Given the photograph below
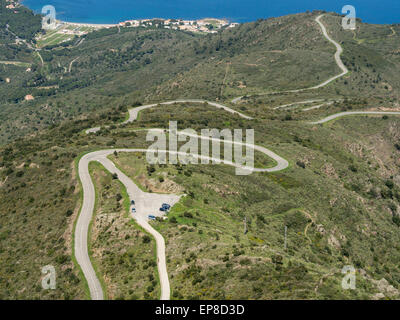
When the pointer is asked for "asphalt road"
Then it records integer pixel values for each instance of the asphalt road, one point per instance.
(82, 229)
(339, 51)
(350, 113)
(145, 204)
(133, 113)
(149, 203)
(338, 60)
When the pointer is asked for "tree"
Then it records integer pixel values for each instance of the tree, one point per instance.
(146, 239)
(396, 220)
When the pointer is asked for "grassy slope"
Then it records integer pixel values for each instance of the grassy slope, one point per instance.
(346, 186)
(120, 69)
(39, 204)
(117, 242)
(341, 197)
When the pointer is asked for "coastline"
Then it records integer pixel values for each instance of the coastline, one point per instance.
(92, 25)
(229, 15)
(120, 23)
(205, 25)
(110, 25)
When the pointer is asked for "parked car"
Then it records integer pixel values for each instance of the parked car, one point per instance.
(133, 210)
(133, 202)
(151, 217)
(166, 206)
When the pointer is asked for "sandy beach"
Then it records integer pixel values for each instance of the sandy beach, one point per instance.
(92, 25)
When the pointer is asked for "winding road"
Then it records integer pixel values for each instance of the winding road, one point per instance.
(71, 63)
(296, 103)
(149, 203)
(338, 60)
(145, 203)
(133, 113)
(352, 113)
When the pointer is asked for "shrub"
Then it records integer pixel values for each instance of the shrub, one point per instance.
(188, 215)
(245, 262)
(277, 259)
(389, 184)
(353, 168)
(69, 213)
(392, 207)
(396, 220)
(197, 279)
(373, 194)
(188, 173)
(62, 259)
(151, 169)
(301, 164)
(150, 288)
(19, 174)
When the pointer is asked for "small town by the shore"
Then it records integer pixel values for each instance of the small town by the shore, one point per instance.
(63, 31)
(67, 31)
(207, 25)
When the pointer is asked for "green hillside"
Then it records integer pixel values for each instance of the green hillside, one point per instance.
(339, 198)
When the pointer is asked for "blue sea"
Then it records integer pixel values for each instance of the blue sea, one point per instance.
(114, 11)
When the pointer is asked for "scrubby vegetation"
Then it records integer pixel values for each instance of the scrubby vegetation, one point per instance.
(145, 65)
(335, 205)
(21, 22)
(124, 254)
(340, 198)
